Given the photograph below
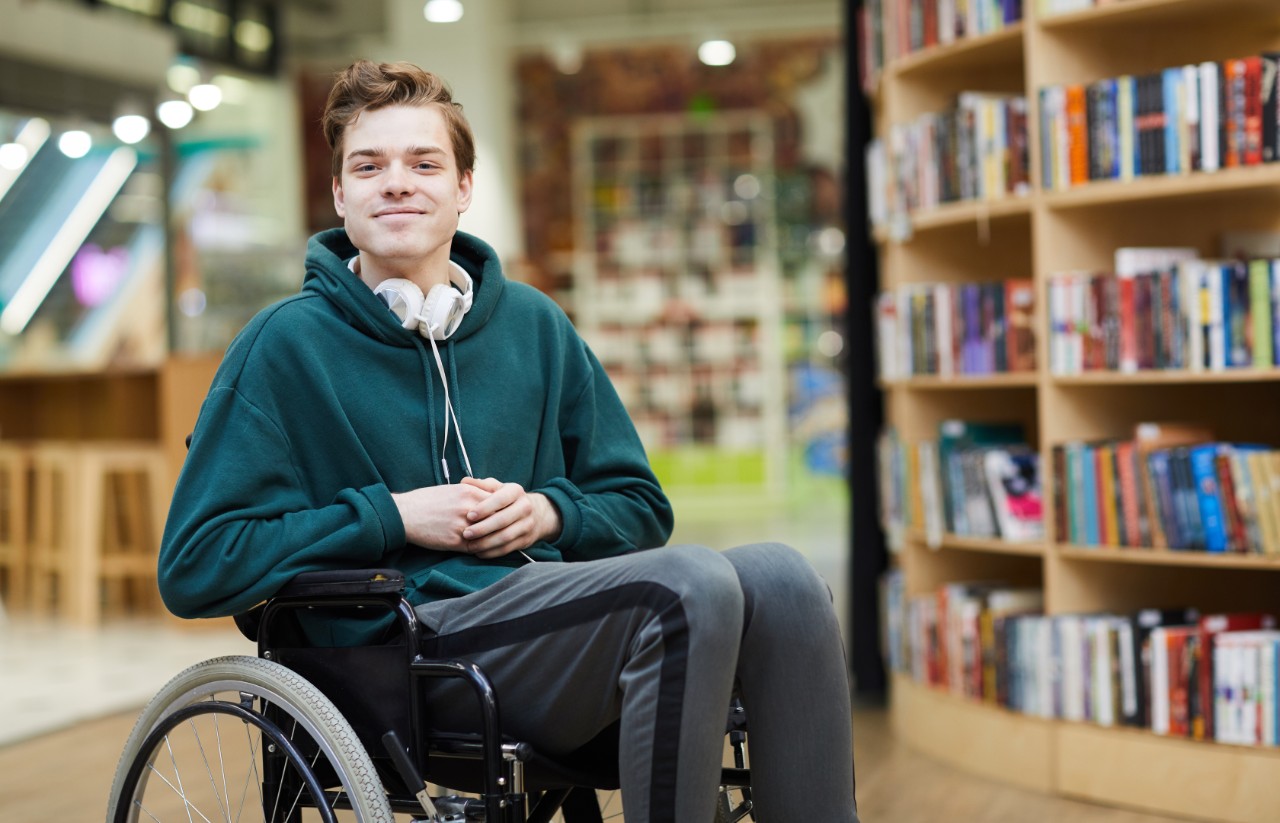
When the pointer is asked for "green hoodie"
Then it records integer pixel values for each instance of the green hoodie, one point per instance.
(324, 406)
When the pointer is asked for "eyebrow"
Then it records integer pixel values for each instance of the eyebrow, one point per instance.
(376, 151)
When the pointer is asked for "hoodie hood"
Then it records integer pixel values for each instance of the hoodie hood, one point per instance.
(328, 275)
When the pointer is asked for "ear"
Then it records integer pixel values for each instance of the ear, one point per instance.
(339, 201)
(464, 191)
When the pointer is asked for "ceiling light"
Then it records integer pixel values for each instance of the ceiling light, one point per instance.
(567, 56)
(131, 128)
(175, 113)
(205, 96)
(717, 52)
(75, 143)
(442, 11)
(182, 76)
(13, 156)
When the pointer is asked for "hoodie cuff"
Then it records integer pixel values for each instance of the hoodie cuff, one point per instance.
(564, 496)
(379, 496)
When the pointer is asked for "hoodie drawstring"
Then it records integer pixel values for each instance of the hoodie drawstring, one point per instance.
(449, 412)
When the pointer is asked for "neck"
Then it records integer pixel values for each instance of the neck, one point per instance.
(422, 273)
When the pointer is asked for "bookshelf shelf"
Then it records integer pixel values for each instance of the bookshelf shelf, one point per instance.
(979, 544)
(1189, 187)
(1166, 557)
(1136, 12)
(1172, 377)
(988, 381)
(1044, 235)
(999, 47)
(976, 212)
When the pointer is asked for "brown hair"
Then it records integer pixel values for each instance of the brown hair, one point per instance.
(365, 85)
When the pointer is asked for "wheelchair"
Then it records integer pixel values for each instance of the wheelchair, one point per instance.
(309, 731)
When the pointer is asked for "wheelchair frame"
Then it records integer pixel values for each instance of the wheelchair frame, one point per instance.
(504, 788)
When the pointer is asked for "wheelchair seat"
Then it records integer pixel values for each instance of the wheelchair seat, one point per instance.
(368, 749)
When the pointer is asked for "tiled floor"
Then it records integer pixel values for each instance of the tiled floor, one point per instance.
(52, 676)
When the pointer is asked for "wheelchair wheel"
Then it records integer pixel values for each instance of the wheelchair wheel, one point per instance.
(244, 739)
(728, 808)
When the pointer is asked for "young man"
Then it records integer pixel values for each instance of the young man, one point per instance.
(332, 437)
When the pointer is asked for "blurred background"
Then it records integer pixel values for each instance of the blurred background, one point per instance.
(672, 172)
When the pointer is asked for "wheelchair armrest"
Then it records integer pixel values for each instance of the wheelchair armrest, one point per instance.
(344, 583)
(341, 586)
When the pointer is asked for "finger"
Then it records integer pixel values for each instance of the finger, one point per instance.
(487, 483)
(505, 496)
(519, 531)
(485, 531)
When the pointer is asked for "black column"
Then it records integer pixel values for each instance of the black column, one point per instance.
(867, 543)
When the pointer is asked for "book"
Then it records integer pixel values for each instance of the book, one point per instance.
(1171, 651)
(1013, 480)
(1204, 471)
(1152, 436)
(1210, 627)
(955, 436)
(1269, 91)
(1020, 302)
(1210, 152)
(1136, 659)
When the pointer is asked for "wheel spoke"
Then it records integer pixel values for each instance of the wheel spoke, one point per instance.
(222, 766)
(252, 775)
(179, 789)
(208, 768)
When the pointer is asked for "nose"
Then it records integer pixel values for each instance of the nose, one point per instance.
(397, 181)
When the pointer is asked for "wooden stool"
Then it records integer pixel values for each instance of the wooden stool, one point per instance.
(97, 516)
(15, 481)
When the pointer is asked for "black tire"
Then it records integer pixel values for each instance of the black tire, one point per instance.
(196, 749)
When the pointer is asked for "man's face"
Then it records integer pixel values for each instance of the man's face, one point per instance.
(400, 192)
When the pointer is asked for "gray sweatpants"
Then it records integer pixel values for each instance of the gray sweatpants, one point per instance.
(657, 639)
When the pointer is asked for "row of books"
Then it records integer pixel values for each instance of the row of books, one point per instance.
(1196, 117)
(975, 150)
(949, 329)
(1171, 486)
(976, 480)
(1170, 670)
(1184, 312)
(889, 29)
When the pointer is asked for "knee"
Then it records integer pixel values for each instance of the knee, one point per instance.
(784, 596)
(707, 586)
(780, 572)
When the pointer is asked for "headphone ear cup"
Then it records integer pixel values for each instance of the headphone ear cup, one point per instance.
(403, 298)
(442, 312)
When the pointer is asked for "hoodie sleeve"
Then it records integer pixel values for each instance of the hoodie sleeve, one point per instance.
(610, 502)
(239, 526)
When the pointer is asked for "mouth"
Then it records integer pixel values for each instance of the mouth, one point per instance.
(398, 212)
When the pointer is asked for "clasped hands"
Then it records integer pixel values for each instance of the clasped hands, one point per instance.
(480, 516)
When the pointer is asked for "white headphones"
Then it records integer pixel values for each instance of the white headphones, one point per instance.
(435, 316)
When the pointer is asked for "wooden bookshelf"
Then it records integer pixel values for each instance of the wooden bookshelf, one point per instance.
(1170, 557)
(956, 542)
(988, 741)
(1041, 235)
(984, 381)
